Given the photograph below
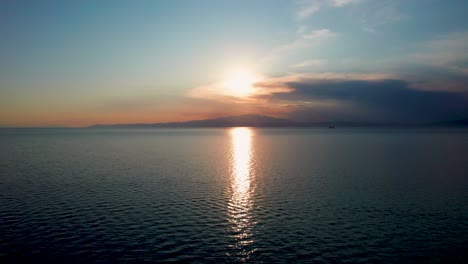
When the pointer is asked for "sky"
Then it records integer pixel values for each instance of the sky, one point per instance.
(79, 63)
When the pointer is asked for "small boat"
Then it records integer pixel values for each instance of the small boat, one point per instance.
(331, 126)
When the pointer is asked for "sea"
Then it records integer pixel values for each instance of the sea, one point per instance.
(234, 195)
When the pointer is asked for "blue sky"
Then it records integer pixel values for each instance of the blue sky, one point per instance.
(84, 62)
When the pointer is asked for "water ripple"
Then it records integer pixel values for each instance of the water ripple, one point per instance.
(241, 195)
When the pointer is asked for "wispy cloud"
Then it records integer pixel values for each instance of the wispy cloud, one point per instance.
(339, 3)
(309, 64)
(374, 14)
(448, 50)
(309, 38)
(385, 13)
(305, 39)
(306, 8)
(439, 64)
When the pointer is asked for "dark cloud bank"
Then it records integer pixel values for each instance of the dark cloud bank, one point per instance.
(384, 101)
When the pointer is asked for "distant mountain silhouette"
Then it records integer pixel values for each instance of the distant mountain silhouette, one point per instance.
(456, 123)
(266, 121)
(230, 121)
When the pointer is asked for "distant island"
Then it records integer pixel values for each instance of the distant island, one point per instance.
(252, 120)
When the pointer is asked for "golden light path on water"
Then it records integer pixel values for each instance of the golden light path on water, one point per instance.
(240, 203)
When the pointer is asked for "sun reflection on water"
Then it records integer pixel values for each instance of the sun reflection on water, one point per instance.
(240, 203)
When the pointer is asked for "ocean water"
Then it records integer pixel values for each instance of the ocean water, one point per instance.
(234, 195)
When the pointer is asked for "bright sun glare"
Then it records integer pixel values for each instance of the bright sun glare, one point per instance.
(240, 83)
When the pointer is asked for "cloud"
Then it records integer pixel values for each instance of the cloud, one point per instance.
(339, 3)
(447, 51)
(219, 91)
(365, 98)
(304, 40)
(308, 64)
(326, 97)
(441, 63)
(309, 38)
(382, 14)
(438, 64)
(306, 8)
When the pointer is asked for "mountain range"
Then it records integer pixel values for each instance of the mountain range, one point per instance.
(230, 121)
(266, 121)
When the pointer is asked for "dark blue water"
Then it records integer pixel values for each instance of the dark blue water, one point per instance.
(234, 195)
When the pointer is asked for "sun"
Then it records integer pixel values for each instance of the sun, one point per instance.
(241, 83)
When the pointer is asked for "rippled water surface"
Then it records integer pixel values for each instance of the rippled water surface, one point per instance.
(234, 195)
